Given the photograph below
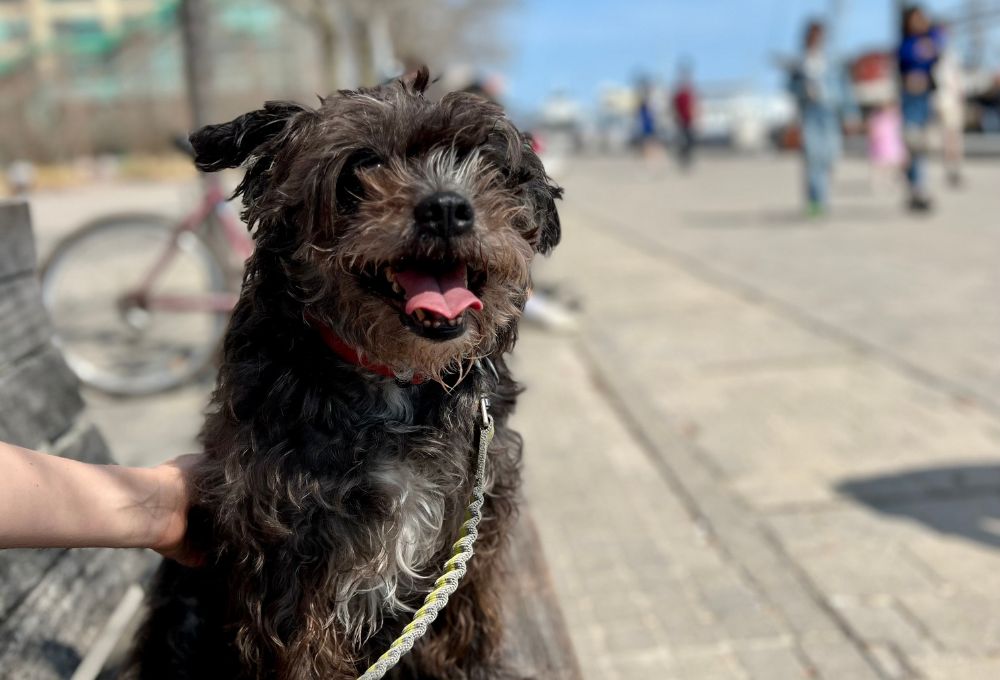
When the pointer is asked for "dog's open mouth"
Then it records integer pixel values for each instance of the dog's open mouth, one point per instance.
(432, 298)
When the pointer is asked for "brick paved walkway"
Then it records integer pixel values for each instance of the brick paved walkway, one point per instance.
(774, 452)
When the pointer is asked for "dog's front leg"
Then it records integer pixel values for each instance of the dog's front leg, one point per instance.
(464, 643)
(286, 621)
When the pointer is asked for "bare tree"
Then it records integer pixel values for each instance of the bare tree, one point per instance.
(442, 32)
(363, 41)
(194, 17)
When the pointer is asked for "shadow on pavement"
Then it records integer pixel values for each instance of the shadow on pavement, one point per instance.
(958, 500)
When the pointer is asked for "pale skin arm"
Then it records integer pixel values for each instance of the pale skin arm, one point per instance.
(52, 502)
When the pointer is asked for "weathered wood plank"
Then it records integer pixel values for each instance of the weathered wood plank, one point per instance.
(17, 245)
(48, 633)
(538, 643)
(83, 442)
(53, 603)
(20, 571)
(38, 400)
(24, 325)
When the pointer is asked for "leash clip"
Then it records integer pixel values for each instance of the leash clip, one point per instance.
(485, 366)
(484, 412)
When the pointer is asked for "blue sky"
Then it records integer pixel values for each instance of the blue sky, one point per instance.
(577, 44)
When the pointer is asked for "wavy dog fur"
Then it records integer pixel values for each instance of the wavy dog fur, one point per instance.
(329, 496)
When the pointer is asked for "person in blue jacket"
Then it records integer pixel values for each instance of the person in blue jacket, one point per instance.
(920, 48)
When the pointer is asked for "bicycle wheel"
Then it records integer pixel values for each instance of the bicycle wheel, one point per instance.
(113, 342)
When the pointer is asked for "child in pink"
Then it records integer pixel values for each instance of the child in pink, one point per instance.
(886, 149)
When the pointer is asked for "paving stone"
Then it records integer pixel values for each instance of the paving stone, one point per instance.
(955, 667)
(833, 659)
(889, 661)
(884, 622)
(772, 663)
(737, 608)
(840, 562)
(637, 634)
(714, 665)
(643, 666)
(688, 626)
(962, 622)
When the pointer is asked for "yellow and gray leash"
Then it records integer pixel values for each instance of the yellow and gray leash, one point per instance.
(454, 568)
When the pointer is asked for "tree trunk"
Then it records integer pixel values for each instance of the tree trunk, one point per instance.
(329, 58)
(363, 52)
(194, 25)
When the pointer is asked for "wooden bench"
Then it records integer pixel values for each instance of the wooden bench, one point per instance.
(54, 604)
(62, 611)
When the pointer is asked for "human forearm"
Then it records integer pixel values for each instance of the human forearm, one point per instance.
(47, 501)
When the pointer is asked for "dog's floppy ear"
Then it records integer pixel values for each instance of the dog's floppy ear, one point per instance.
(227, 145)
(543, 193)
(548, 217)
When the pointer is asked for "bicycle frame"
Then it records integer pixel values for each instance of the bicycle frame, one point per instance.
(214, 199)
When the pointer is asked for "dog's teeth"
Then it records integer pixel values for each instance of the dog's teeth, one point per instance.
(396, 288)
(437, 324)
(419, 314)
(452, 322)
(427, 324)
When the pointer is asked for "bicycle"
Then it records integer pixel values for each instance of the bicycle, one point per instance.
(139, 302)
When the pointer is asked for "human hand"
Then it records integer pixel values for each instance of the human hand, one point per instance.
(170, 510)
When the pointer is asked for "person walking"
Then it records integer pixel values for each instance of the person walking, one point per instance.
(919, 50)
(812, 86)
(886, 150)
(950, 108)
(684, 104)
(648, 136)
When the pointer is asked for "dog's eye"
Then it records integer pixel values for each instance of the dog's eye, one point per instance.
(350, 189)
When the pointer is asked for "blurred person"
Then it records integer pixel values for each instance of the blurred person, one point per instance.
(649, 143)
(812, 85)
(684, 104)
(886, 150)
(919, 50)
(950, 107)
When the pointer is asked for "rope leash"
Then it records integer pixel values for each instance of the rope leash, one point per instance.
(454, 568)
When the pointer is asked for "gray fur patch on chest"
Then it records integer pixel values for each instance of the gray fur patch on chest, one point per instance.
(410, 539)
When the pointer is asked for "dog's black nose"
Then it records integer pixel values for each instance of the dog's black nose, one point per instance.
(444, 214)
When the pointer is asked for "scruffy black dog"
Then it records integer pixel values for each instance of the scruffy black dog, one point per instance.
(393, 242)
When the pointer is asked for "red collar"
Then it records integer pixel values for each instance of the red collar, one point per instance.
(350, 355)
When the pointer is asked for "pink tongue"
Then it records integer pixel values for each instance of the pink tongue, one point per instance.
(445, 294)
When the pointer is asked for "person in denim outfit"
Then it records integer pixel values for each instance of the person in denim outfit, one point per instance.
(814, 88)
(918, 53)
